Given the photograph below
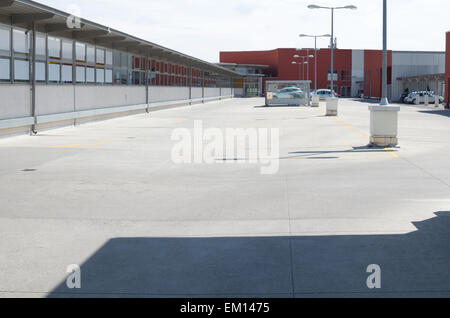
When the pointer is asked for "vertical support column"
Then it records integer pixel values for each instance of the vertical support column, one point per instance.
(203, 85)
(33, 79)
(74, 77)
(11, 45)
(190, 84)
(147, 62)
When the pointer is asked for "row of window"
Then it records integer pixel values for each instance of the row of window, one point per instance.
(61, 60)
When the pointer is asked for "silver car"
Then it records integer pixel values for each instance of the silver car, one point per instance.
(324, 94)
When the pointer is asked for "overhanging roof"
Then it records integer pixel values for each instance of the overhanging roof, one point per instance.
(439, 76)
(22, 13)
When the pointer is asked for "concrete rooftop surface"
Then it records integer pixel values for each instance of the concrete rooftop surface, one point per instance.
(107, 196)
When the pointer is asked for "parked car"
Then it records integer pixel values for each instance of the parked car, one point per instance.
(289, 93)
(324, 94)
(403, 96)
(420, 96)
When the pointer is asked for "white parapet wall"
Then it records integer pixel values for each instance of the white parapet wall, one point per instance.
(61, 105)
(15, 101)
(167, 93)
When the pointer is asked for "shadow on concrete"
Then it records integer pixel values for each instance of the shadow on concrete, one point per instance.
(413, 264)
(436, 112)
(361, 149)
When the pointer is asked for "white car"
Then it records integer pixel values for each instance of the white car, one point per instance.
(420, 96)
(289, 93)
(324, 94)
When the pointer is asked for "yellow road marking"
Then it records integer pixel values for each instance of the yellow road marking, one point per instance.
(393, 154)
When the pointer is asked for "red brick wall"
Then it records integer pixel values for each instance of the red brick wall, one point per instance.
(281, 67)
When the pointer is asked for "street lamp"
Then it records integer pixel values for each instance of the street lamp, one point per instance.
(299, 65)
(307, 57)
(351, 7)
(384, 100)
(315, 53)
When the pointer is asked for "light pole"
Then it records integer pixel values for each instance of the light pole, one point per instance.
(315, 54)
(384, 100)
(351, 7)
(307, 57)
(299, 72)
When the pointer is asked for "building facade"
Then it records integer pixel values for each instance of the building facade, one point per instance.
(56, 69)
(251, 82)
(356, 72)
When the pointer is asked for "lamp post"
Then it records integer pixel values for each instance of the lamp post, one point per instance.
(315, 54)
(307, 57)
(384, 100)
(299, 72)
(351, 7)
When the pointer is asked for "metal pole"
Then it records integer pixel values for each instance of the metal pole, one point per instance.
(384, 100)
(307, 66)
(33, 79)
(332, 50)
(315, 63)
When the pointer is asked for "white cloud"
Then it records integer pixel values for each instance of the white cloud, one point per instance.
(203, 28)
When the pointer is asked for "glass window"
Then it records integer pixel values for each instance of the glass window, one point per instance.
(54, 47)
(67, 50)
(53, 72)
(108, 76)
(90, 74)
(21, 42)
(91, 54)
(100, 75)
(40, 45)
(4, 69)
(40, 71)
(80, 49)
(66, 73)
(5, 37)
(100, 56)
(81, 74)
(21, 70)
(109, 58)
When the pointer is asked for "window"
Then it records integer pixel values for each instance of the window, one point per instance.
(54, 47)
(40, 45)
(100, 56)
(67, 50)
(21, 70)
(66, 73)
(21, 42)
(80, 50)
(4, 69)
(54, 72)
(90, 54)
(100, 75)
(81, 74)
(108, 76)
(5, 41)
(90, 75)
(109, 58)
(40, 71)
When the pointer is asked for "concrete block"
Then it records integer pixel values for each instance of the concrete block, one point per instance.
(315, 101)
(332, 106)
(384, 125)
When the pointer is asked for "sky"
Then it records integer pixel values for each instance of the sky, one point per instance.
(203, 28)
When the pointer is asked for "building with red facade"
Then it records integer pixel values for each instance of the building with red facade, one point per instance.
(356, 71)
